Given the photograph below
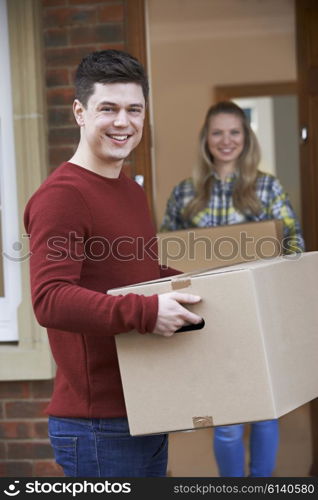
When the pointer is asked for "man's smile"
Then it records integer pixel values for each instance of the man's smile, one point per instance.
(118, 137)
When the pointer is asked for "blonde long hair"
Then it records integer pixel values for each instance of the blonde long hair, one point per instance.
(244, 194)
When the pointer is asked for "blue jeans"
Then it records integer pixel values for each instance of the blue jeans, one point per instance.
(230, 454)
(104, 448)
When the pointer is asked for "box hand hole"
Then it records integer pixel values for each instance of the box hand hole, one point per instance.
(192, 326)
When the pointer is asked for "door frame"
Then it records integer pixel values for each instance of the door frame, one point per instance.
(285, 88)
(135, 41)
(227, 92)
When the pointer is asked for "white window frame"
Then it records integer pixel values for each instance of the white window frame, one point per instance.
(11, 300)
(30, 357)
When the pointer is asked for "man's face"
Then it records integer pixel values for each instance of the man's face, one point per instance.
(112, 122)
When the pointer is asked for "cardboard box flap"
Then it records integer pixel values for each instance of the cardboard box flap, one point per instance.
(174, 278)
(177, 279)
(260, 240)
(220, 246)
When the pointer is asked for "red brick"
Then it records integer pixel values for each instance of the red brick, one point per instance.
(58, 155)
(60, 116)
(40, 429)
(2, 450)
(59, 96)
(57, 77)
(47, 468)
(113, 46)
(65, 16)
(81, 2)
(73, 73)
(42, 389)
(16, 469)
(14, 390)
(25, 409)
(9, 429)
(23, 429)
(53, 3)
(66, 57)
(63, 136)
(55, 38)
(108, 13)
(29, 449)
(101, 33)
(1, 410)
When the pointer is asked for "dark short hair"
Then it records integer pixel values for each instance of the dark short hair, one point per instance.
(108, 66)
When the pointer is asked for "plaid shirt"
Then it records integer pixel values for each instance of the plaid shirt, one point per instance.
(220, 210)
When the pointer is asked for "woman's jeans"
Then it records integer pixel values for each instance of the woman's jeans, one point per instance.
(104, 448)
(230, 454)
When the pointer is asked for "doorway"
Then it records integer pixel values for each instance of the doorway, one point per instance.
(273, 109)
(194, 46)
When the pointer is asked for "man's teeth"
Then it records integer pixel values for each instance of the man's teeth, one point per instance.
(119, 137)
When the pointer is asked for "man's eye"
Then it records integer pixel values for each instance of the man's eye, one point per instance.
(135, 110)
(107, 108)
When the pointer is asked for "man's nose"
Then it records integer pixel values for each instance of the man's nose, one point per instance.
(121, 119)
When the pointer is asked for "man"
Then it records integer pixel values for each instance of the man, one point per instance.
(85, 223)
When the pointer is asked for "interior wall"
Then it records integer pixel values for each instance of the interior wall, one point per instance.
(195, 45)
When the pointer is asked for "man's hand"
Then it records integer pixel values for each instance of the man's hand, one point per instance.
(171, 314)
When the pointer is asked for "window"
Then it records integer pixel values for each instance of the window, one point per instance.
(10, 269)
(28, 357)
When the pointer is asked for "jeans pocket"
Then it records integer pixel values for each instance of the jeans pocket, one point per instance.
(163, 446)
(65, 452)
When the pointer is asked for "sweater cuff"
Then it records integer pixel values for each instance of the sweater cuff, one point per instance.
(151, 313)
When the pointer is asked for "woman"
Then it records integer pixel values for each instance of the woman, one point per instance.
(227, 188)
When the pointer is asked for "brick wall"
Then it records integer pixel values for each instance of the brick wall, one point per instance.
(24, 447)
(71, 29)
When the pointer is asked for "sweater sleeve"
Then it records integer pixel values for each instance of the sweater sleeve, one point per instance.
(58, 222)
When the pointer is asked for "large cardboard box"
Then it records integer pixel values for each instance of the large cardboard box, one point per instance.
(212, 247)
(255, 359)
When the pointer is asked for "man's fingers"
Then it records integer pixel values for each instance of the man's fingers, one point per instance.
(186, 298)
(172, 313)
(192, 318)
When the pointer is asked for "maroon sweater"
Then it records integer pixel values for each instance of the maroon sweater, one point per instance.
(89, 234)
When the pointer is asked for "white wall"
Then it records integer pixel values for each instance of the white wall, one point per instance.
(263, 125)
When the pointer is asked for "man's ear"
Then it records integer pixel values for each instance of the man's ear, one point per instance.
(78, 110)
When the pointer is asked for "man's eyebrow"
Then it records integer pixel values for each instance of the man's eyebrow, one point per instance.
(132, 105)
(106, 103)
